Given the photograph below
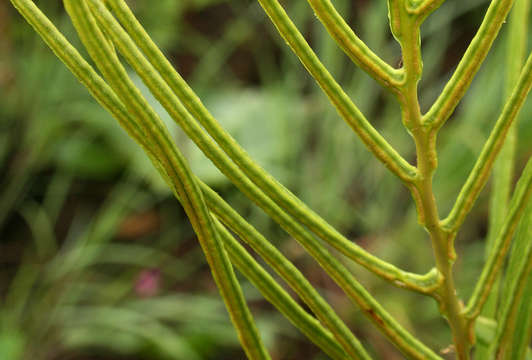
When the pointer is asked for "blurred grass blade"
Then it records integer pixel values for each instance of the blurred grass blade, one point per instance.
(517, 47)
(485, 331)
(81, 257)
(12, 345)
(18, 295)
(42, 230)
(493, 265)
(520, 328)
(125, 321)
(503, 169)
(513, 332)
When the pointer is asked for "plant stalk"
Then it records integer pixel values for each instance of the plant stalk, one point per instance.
(406, 28)
(442, 243)
(443, 248)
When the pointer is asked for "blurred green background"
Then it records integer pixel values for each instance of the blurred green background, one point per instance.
(97, 260)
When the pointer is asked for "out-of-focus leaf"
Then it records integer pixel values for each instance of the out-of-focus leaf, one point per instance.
(485, 330)
(11, 345)
(523, 327)
(163, 21)
(80, 258)
(85, 157)
(165, 340)
(98, 337)
(266, 123)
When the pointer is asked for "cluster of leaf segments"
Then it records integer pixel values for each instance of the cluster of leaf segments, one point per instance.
(108, 26)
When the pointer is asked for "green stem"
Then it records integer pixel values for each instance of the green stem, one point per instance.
(474, 56)
(423, 8)
(345, 107)
(184, 184)
(444, 254)
(276, 295)
(398, 335)
(502, 244)
(355, 48)
(262, 181)
(283, 267)
(405, 26)
(480, 173)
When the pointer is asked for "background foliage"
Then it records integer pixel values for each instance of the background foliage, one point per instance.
(98, 260)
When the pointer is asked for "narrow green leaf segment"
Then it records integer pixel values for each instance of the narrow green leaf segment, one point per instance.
(184, 184)
(480, 173)
(212, 218)
(284, 268)
(281, 300)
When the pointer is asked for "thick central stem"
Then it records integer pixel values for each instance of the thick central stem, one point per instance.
(443, 247)
(425, 139)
